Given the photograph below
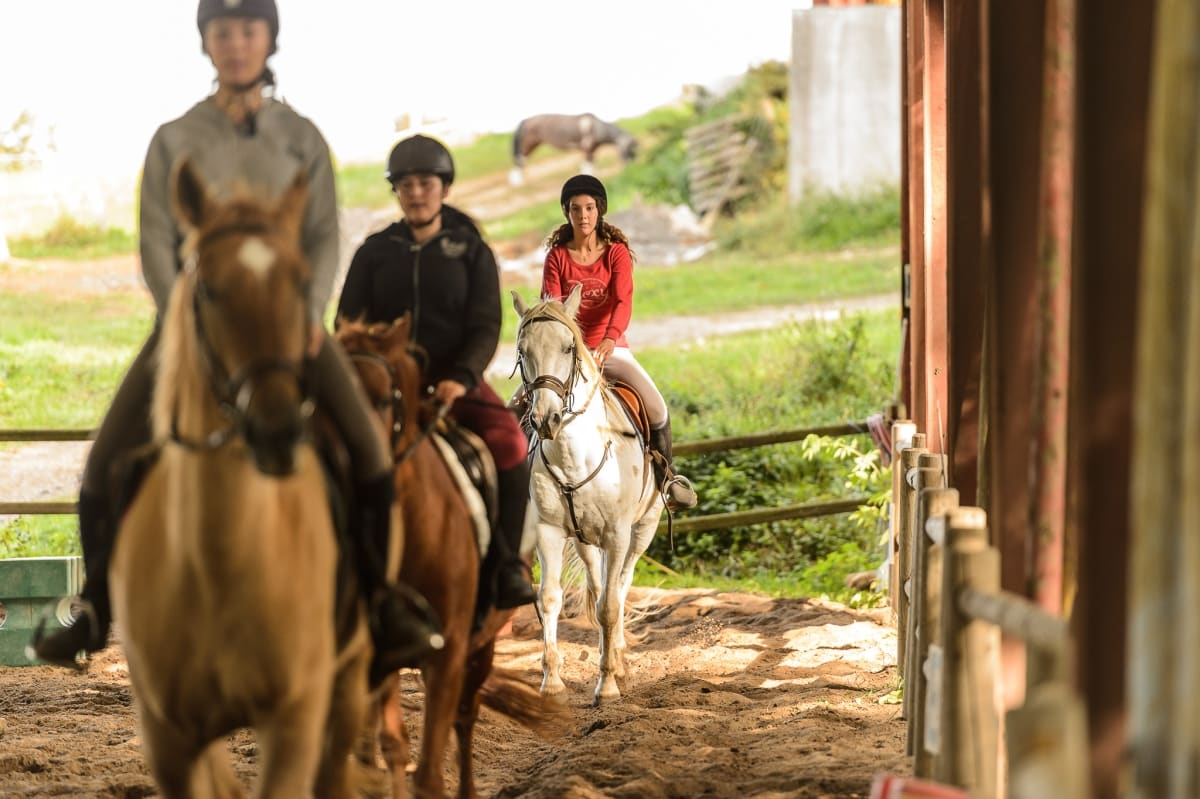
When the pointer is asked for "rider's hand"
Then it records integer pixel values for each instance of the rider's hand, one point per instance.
(447, 391)
(603, 350)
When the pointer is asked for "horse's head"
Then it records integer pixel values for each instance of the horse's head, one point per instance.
(244, 299)
(552, 358)
(384, 358)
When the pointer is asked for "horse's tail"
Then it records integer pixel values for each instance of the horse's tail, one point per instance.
(506, 693)
(517, 143)
(579, 591)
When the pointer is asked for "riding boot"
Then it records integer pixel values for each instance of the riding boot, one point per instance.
(404, 626)
(88, 631)
(676, 488)
(504, 564)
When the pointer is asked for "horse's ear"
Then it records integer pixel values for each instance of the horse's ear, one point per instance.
(189, 198)
(402, 326)
(571, 303)
(519, 304)
(292, 203)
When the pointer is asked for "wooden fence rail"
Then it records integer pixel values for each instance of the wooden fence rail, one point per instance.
(688, 525)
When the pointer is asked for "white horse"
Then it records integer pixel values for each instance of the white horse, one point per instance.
(591, 481)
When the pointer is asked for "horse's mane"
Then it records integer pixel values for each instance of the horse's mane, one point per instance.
(556, 309)
(178, 374)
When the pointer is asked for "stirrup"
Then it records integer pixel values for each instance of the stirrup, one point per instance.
(678, 493)
(84, 635)
(402, 637)
(521, 592)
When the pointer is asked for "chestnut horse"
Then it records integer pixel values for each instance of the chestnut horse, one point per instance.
(583, 132)
(440, 558)
(223, 575)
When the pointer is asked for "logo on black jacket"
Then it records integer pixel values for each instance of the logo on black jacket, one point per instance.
(453, 249)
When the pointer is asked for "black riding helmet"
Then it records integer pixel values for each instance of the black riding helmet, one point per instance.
(584, 184)
(250, 9)
(420, 155)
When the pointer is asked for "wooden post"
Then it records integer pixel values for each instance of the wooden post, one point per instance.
(933, 503)
(970, 719)
(928, 473)
(904, 516)
(902, 438)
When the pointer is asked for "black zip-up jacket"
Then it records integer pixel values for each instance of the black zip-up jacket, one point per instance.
(450, 283)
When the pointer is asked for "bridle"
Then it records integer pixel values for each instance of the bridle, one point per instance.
(233, 392)
(563, 389)
(395, 398)
(395, 402)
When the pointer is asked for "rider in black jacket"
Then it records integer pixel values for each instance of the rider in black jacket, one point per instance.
(435, 264)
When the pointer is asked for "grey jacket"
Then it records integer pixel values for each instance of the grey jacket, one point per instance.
(283, 144)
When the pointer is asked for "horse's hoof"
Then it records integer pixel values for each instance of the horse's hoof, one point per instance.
(606, 694)
(555, 692)
(605, 699)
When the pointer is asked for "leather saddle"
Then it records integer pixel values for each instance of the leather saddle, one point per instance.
(635, 411)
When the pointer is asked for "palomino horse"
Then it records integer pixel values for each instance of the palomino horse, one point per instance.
(583, 132)
(592, 482)
(223, 577)
(440, 558)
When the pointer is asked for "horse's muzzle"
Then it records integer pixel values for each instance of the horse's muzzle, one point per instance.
(273, 445)
(548, 426)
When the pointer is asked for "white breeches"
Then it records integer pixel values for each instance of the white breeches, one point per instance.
(621, 365)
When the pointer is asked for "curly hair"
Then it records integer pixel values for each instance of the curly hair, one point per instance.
(606, 232)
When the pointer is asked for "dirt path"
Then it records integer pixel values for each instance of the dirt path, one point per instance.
(729, 696)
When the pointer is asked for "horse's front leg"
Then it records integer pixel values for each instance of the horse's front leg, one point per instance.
(479, 665)
(611, 613)
(393, 735)
(170, 754)
(290, 743)
(550, 600)
(348, 712)
(443, 674)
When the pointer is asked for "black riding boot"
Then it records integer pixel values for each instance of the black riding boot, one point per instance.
(89, 631)
(503, 563)
(404, 626)
(678, 489)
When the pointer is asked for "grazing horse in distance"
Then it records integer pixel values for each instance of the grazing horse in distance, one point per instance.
(583, 132)
(440, 558)
(591, 481)
(224, 574)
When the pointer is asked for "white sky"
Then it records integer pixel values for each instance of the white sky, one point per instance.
(105, 73)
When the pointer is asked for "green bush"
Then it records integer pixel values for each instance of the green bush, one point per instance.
(802, 375)
(39, 536)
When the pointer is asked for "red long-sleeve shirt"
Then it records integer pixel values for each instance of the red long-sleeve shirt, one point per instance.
(607, 302)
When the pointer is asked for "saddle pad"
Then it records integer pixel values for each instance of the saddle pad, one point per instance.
(474, 500)
(631, 402)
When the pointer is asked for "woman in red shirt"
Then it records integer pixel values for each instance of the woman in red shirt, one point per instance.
(588, 250)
